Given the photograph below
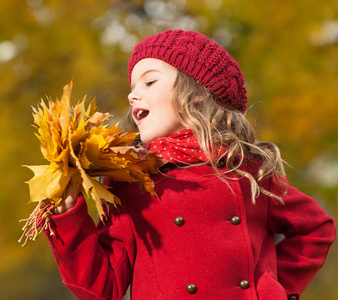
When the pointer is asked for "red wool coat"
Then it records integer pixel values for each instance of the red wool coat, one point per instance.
(203, 239)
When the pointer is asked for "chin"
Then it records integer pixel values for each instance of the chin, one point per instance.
(146, 138)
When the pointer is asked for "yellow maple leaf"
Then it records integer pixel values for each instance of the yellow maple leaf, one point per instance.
(80, 148)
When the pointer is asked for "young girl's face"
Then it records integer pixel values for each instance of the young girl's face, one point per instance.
(152, 81)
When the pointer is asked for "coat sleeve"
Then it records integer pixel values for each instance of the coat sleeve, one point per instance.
(95, 262)
(308, 234)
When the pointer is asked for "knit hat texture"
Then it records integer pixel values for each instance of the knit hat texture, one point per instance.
(201, 58)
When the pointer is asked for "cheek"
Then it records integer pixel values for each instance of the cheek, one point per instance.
(167, 101)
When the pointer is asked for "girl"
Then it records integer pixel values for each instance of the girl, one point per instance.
(222, 194)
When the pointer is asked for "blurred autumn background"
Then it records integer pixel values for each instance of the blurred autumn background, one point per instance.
(286, 49)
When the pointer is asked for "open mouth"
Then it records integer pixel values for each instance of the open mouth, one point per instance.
(140, 114)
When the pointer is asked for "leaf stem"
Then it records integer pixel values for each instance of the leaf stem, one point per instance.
(38, 221)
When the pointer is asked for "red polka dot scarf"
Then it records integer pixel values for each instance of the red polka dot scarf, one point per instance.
(180, 147)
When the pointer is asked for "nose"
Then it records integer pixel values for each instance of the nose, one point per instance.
(133, 96)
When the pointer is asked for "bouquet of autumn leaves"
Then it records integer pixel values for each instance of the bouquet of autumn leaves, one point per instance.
(80, 149)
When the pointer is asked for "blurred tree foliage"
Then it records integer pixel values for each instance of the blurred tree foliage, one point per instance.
(287, 51)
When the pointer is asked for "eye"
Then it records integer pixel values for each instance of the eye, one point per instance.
(149, 83)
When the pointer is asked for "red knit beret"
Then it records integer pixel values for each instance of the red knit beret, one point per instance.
(201, 58)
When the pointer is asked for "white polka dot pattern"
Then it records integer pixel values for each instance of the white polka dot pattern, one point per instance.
(181, 147)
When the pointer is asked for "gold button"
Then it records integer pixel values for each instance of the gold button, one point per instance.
(292, 297)
(244, 284)
(191, 288)
(179, 221)
(236, 220)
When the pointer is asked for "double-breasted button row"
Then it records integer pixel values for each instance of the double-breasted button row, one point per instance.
(244, 284)
(235, 220)
(191, 288)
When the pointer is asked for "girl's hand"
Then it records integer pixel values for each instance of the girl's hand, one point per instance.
(70, 200)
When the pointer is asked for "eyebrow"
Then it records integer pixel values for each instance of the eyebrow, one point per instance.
(142, 76)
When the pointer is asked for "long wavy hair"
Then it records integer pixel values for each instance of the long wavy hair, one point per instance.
(216, 126)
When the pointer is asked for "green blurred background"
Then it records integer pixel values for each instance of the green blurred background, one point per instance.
(286, 49)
